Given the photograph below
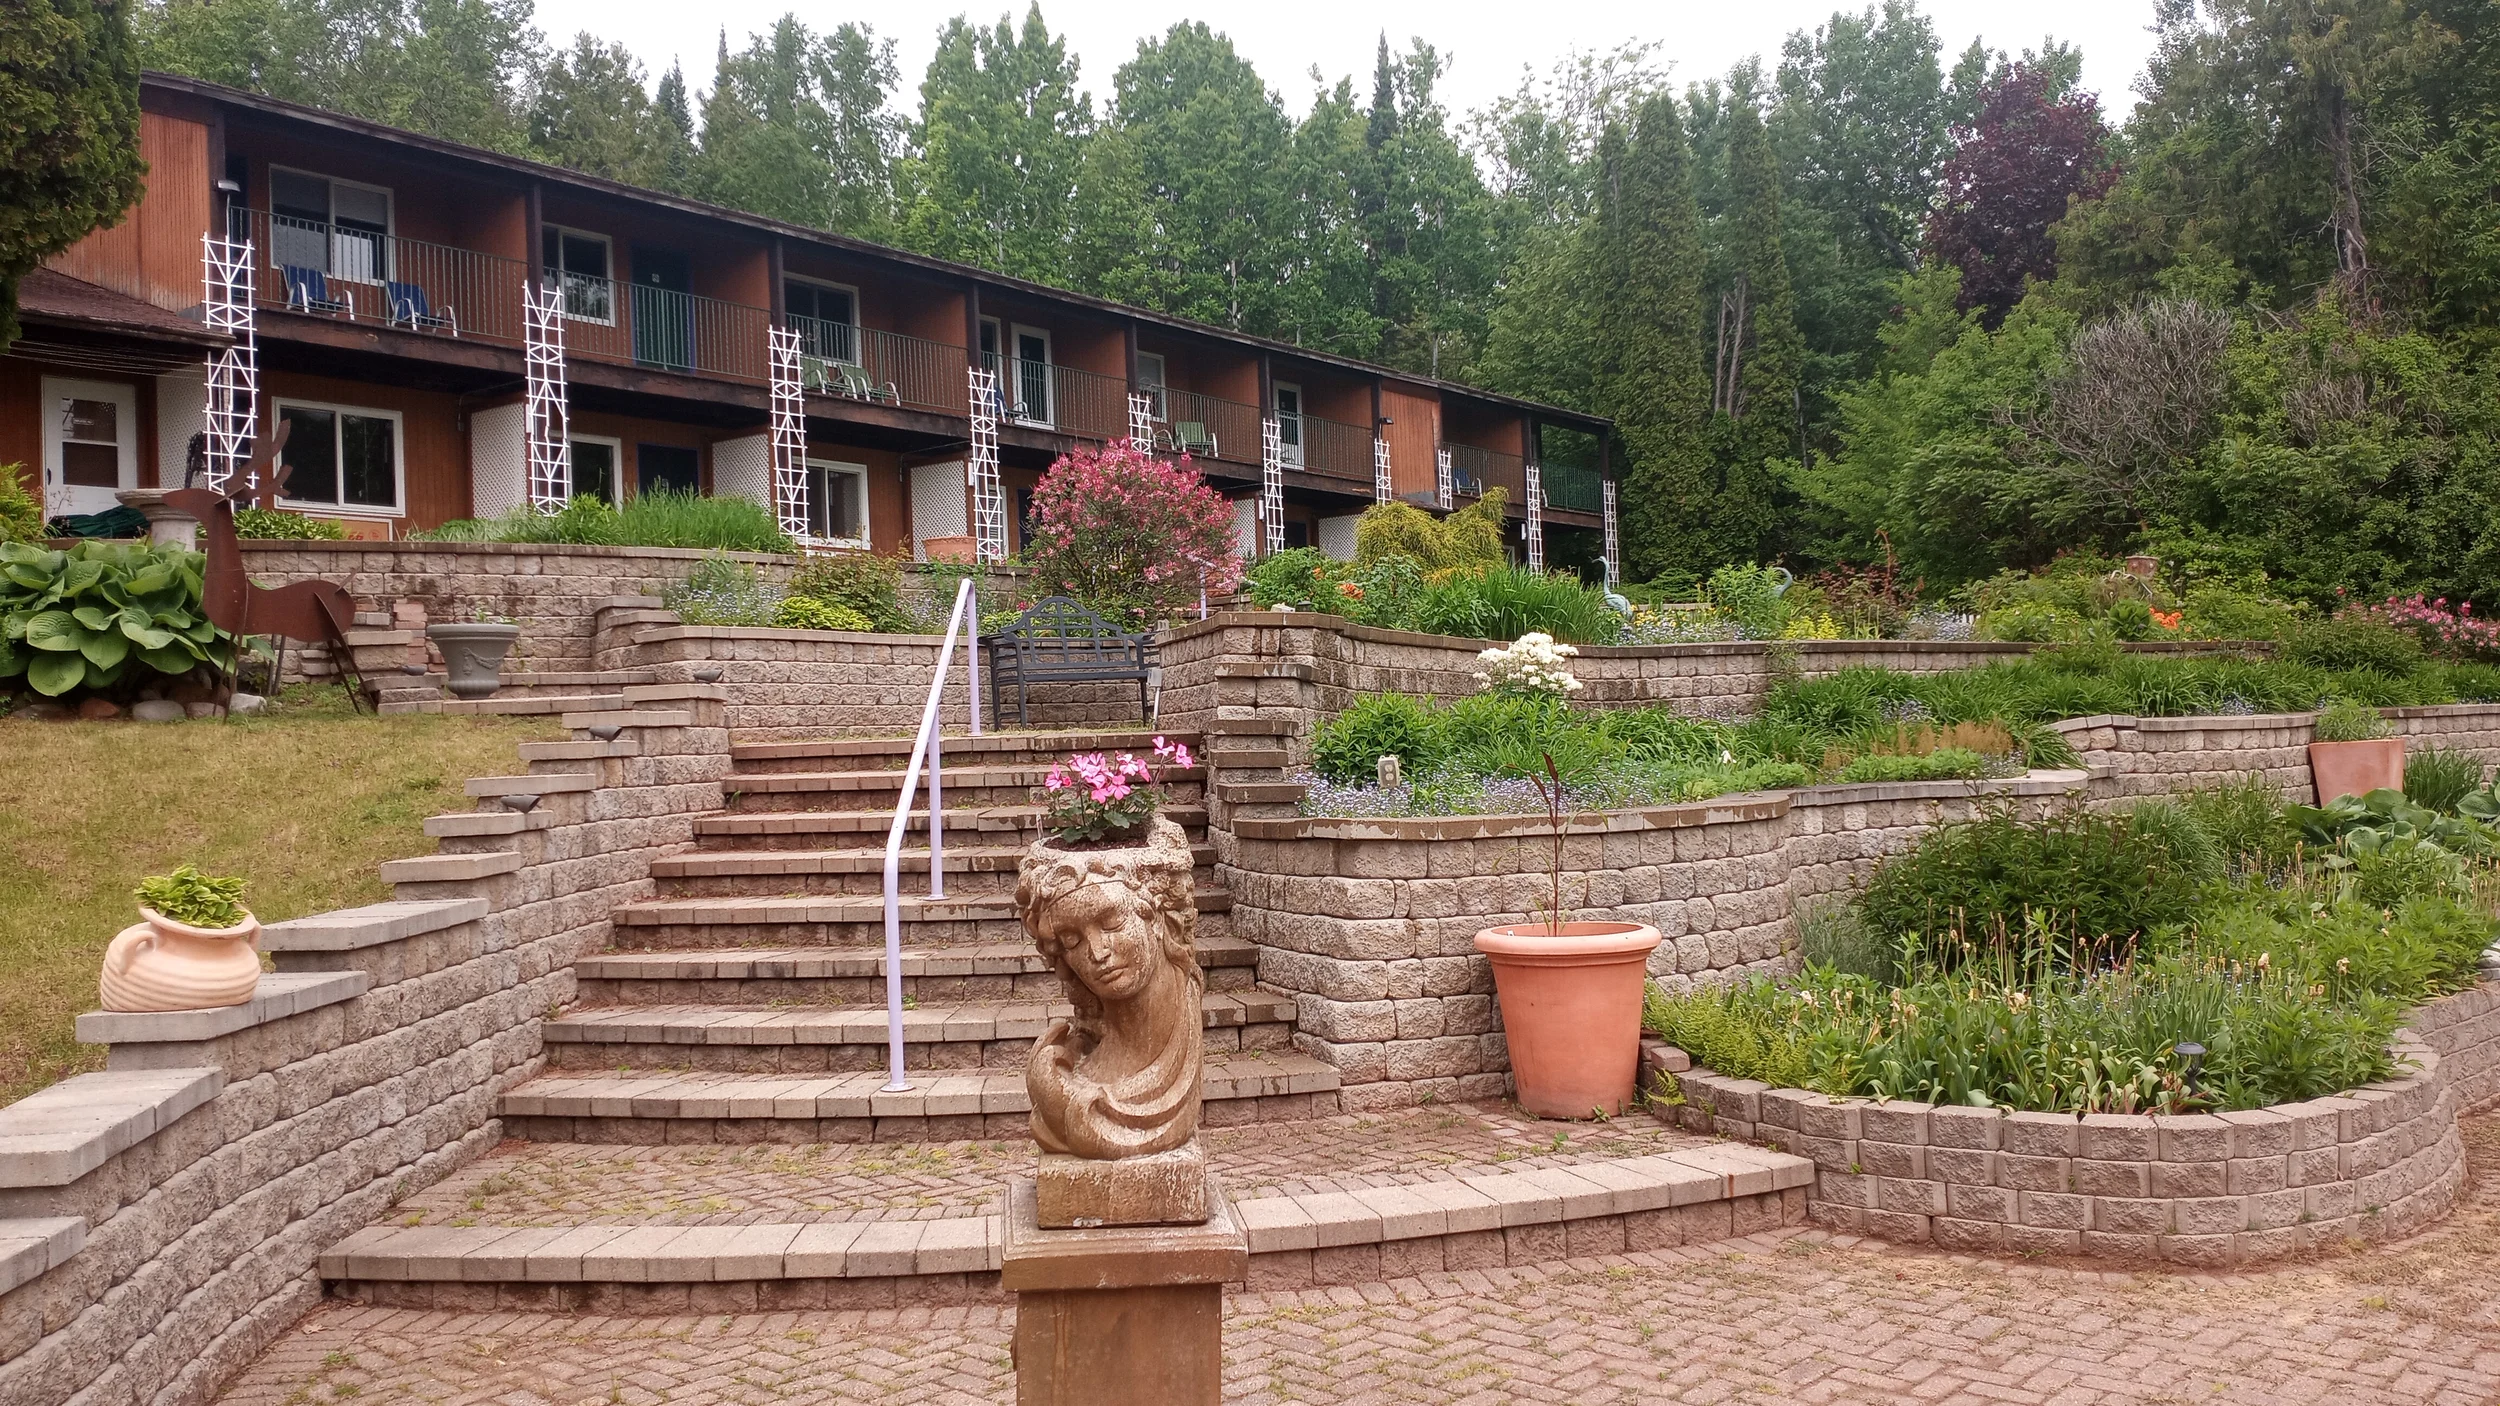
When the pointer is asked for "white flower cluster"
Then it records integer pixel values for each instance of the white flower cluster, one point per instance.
(1531, 664)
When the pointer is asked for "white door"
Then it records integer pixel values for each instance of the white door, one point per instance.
(1289, 422)
(90, 444)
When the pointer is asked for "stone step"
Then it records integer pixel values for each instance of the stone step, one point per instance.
(847, 920)
(841, 1040)
(978, 785)
(891, 753)
(1689, 1196)
(536, 704)
(845, 829)
(855, 976)
(970, 868)
(656, 1109)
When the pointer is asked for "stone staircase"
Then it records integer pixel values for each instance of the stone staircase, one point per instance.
(745, 1001)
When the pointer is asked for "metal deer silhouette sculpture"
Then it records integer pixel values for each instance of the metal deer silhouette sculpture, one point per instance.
(304, 610)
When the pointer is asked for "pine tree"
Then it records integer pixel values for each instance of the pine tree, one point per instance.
(588, 110)
(69, 132)
(796, 127)
(1757, 352)
(1651, 376)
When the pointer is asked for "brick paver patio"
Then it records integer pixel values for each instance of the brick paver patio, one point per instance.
(1794, 1316)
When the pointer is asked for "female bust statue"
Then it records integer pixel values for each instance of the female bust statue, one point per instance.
(1120, 1078)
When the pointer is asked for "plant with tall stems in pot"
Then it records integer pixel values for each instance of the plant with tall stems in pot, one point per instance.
(1570, 994)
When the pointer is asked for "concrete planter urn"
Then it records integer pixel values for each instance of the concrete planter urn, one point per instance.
(2357, 768)
(955, 548)
(1571, 1010)
(473, 655)
(158, 964)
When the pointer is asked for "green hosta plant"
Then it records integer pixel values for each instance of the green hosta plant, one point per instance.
(91, 616)
(195, 899)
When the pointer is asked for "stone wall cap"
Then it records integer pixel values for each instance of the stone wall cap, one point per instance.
(352, 929)
(57, 1134)
(658, 633)
(281, 994)
(35, 1245)
(2221, 722)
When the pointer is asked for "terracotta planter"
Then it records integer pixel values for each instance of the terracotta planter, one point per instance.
(473, 655)
(947, 548)
(161, 965)
(2357, 768)
(1571, 1009)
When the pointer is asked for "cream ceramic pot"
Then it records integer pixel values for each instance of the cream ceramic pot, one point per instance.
(161, 965)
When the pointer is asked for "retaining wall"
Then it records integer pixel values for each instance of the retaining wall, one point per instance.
(1298, 669)
(2374, 1163)
(161, 1222)
(1370, 924)
(551, 591)
(2152, 756)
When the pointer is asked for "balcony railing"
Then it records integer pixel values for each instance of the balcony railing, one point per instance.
(1190, 421)
(1473, 470)
(1335, 448)
(349, 273)
(881, 368)
(1571, 488)
(668, 331)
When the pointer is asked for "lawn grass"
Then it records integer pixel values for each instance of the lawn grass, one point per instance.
(303, 803)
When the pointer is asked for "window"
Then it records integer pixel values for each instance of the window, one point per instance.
(837, 502)
(594, 469)
(578, 263)
(342, 458)
(825, 316)
(1289, 421)
(337, 227)
(1150, 383)
(1297, 534)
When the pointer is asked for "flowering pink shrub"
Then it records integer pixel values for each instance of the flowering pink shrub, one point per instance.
(2455, 633)
(1130, 535)
(1093, 796)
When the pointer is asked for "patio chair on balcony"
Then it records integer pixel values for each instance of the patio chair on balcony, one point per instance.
(308, 290)
(859, 385)
(410, 308)
(1191, 437)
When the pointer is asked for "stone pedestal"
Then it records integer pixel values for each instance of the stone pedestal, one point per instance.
(166, 524)
(1120, 1315)
(1164, 1188)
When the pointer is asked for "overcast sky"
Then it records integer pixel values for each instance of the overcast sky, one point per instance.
(1284, 38)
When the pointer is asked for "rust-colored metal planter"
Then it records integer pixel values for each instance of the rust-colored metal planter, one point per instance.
(1571, 1011)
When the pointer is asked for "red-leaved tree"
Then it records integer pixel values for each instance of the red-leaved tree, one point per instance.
(2011, 173)
(1132, 536)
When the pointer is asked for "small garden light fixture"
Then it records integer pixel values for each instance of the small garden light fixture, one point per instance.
(2194, 1054)
(707, 676)
(520, 804)
(605, 732)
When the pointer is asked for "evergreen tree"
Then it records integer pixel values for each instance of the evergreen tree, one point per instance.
(1651, 379)
(1001, 142)
(1757, 352)
(69, 132)
(589, 110)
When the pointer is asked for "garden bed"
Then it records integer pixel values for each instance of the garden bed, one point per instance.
(2377, 1162)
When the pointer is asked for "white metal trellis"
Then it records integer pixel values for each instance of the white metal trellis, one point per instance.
(1536, 516)
(232, 379)
(1614, 544)
(546, 418)
(1272, 483)
(989, 497)
(1141, 423)
(789, 435)
(1380, 470)
(1444, 490)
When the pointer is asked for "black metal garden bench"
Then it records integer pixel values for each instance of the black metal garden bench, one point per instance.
(1060, 640)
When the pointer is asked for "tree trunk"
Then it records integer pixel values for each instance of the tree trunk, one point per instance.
(2352, 250)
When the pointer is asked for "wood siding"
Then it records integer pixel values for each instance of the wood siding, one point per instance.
(153, 254)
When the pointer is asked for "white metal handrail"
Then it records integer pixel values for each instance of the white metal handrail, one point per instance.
(926, 745)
